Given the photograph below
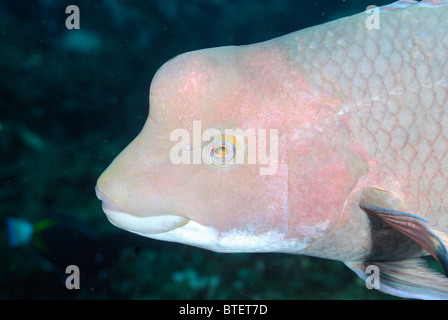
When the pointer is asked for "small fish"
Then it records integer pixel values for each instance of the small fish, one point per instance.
(354, 118)
(61, 241)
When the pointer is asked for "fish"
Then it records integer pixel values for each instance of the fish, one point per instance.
(327, 142)
(58, 240)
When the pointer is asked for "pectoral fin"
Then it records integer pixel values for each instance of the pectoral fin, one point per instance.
(410, 278)
(435, 240)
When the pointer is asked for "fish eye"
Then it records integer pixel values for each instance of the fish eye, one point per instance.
(223, 150)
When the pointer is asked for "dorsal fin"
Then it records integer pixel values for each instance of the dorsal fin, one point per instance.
(433, 3)
(402, 4)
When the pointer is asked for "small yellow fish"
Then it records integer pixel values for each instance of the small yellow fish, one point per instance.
(330, 142)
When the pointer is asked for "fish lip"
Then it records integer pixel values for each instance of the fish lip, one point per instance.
(150, 225)
(108, 203)
(138, 224)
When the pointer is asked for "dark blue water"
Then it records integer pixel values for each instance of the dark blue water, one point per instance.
(70, 100)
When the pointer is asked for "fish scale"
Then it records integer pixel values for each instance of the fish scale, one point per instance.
(395, 120)
(392, 89)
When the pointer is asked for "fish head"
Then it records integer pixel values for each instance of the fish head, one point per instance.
(210, 166)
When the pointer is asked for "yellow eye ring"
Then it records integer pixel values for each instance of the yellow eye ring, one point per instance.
(222, 151)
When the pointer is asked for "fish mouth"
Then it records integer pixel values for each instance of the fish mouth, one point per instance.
(143, 225)
(175, 228)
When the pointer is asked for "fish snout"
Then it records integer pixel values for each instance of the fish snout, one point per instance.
(106, 201)
(142, 225)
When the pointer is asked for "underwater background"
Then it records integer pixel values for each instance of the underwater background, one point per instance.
(71, 100)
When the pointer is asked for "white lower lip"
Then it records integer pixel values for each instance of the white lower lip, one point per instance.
(138, 224)
(178, 229)
(145, 225)
(209, 238)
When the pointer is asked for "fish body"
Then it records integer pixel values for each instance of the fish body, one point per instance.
(353, 119)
